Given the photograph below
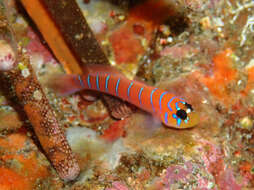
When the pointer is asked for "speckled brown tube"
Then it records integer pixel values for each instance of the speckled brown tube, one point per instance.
(16, 73)
(40, 114)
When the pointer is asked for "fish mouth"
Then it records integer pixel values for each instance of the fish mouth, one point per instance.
(193, 120)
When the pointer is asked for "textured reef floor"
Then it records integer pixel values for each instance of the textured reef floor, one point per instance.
(200, 50)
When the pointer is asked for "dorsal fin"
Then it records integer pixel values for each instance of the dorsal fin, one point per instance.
(97, 68)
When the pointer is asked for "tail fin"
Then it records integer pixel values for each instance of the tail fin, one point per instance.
(65, 84)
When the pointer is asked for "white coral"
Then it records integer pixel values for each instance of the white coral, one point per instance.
(249, 26)
(240, 7)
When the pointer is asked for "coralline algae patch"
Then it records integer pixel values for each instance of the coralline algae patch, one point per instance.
(215, 163)
(176, 146)
(114, 131)
(223, 78)
(22, 166)
(125, 51)
(130, 39)
(228, 86)
(177, 176)
(185, 162)
(9, 120)
(34, 46)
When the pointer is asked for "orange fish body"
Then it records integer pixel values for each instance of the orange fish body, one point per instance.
(170, 109)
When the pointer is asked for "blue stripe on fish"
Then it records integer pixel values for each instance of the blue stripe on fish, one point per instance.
(106, 83)
(139, 95)
(170, 102)
(166, 117)
(97, 82)
(88, 81)
(129, 88)
(178, 120)
(117, 85)
(81, 81)
(177, 107)
(151, 97)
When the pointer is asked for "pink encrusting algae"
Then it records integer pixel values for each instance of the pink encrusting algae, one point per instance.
(141, 21)
(117, 185)
(16, 178)
(223, 75)
(215, 164)
(7, 57)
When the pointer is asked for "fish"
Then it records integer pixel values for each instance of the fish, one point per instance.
(173, 111)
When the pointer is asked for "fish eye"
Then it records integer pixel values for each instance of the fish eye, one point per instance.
(181, 114)
(188, 106)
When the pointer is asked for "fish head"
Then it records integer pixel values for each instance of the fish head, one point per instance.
(182, 115)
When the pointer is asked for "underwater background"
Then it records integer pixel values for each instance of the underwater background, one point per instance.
(197, 49)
